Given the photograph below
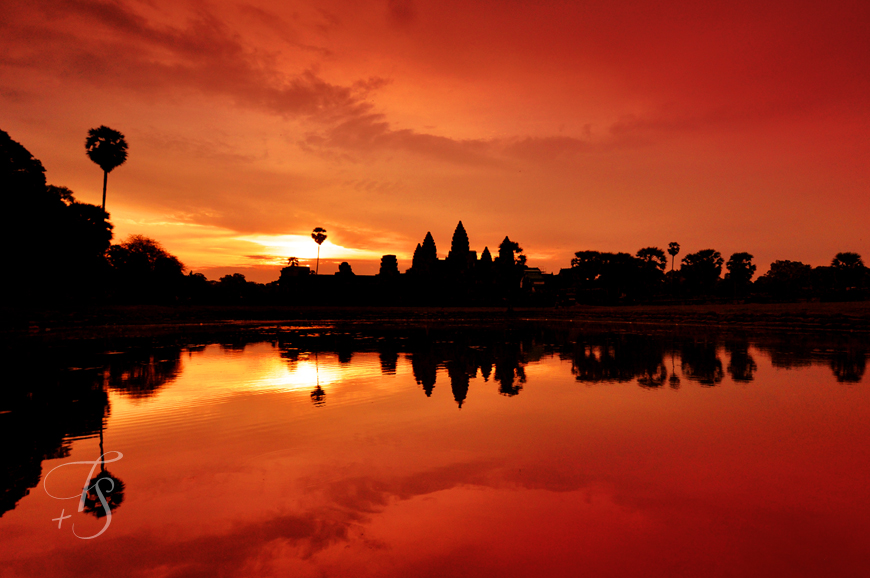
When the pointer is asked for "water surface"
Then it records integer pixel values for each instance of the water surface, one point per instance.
(521, 450)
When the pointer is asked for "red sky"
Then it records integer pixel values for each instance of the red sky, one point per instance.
(606, 125)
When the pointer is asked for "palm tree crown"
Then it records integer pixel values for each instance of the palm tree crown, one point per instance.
(319, 236)
(108, 149)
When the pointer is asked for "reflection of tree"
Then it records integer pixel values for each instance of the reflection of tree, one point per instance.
(47, 405)
(701, 363)
(594, 363)
(619, 358)
(653, 377)
(674, 379)
(289, 354)
(140, 373)
(742, 366)
(792, 352)
(849, 365)
(344, 350)
(510, 371)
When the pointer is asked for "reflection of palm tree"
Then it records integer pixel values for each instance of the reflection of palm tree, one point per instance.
(318, 395)
(319, 236)
(107, 148)
(110, 487)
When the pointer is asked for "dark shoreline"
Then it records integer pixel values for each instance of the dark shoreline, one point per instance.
(120, 321)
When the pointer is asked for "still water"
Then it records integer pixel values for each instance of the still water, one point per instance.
(521, 450)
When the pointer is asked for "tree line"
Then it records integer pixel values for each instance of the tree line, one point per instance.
(600, 277)
(61, 251)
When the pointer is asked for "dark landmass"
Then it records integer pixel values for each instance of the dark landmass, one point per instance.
(146, 320)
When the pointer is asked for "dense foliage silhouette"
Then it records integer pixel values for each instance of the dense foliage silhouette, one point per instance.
(63, 254)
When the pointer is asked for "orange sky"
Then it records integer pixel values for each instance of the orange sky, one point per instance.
(606, 125)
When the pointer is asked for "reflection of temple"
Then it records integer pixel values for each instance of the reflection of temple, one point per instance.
(651, 360)
(424, 364)
(47, 403)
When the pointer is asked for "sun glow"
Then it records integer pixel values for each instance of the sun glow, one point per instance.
(305, 374)
(283, 246)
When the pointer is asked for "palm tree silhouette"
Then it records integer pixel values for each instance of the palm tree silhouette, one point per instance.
(319, 236)
(107, 148)
(673, 249)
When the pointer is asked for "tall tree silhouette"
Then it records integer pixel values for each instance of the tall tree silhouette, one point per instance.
(847, 261)
(48, 236)
(143, 270)
(653, 256)
(701, 270)
(651, 268)
(107, 148)
(786, 280)
(740, 272)
(848, 269)
(673, 251)
(319, 236)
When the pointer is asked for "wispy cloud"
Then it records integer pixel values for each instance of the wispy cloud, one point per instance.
(204, 54)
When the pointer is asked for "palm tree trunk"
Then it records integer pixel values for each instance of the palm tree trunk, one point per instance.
(317, 266)
(105, 179)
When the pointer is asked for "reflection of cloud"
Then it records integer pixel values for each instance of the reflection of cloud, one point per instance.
(206, 556)
(341, 506)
